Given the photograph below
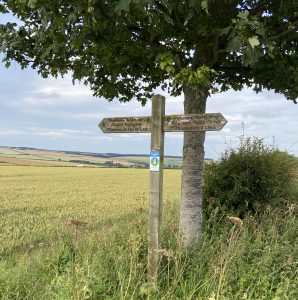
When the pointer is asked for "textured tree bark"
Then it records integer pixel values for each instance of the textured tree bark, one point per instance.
(190, 226)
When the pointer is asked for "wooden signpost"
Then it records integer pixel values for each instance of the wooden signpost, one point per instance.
(157, 124)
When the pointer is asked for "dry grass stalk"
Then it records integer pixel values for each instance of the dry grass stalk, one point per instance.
(236, 221)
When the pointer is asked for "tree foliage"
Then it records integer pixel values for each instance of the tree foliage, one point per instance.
(127, 48)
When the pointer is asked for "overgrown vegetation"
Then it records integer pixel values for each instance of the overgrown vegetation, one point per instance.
(249, 179)
(62, 239)
(256, 260)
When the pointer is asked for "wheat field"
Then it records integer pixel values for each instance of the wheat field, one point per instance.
(37, 203)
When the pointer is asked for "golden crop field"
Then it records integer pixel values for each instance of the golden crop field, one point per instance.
(37, 203)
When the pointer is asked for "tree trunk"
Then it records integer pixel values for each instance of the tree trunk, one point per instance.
(190, 226)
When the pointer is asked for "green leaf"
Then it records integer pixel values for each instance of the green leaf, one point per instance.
(3, 9)
(254, 41)
(123, 5)
(225, 30)
(250, 57)
(32, 3)
(243, 15)
(260, 30)
(204, 5)
(170, 69)
(72, 18)
(14, 44)
(163, 65)
(189, 16)
(168, 19)
(234, 44)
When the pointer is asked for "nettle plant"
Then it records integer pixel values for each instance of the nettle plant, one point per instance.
(125, 49)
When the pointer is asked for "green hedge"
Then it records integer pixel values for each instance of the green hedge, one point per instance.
(248, 179)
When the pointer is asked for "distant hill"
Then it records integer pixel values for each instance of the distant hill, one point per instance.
(26, 156)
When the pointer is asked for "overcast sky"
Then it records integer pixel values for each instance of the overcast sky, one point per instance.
(54, 114)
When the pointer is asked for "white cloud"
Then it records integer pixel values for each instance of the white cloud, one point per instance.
(55, 93)
(55, 133)
(226, 130)
(12, 132)
(235, 118)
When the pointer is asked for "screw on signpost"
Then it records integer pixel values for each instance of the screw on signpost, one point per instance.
(156, 185)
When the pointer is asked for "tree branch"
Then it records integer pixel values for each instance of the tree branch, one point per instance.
(161, 7)
(215, 49)
(284, 33)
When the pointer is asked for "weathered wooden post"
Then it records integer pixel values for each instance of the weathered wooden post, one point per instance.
(156, 184)
(157, 125)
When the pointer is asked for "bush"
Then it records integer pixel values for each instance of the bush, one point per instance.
(248, 179)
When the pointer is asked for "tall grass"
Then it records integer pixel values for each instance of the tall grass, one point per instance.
(255, 261)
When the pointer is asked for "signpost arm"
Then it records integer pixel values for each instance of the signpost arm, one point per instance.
(156, 185)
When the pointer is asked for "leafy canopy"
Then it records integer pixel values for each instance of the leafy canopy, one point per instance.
(127, 48)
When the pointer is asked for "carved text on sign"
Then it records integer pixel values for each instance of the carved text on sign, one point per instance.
(172, 123)
(195, 122)
(126, 124)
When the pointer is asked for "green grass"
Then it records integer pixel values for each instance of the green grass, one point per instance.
(69, 233)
